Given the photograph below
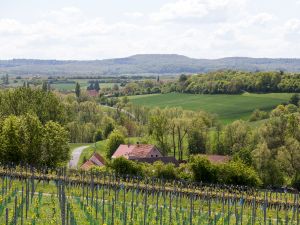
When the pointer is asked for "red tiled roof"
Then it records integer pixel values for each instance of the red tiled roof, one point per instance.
(217, 158)
(92, 93)
(95, 160)
(123, 150)
(141, 151)
(134, 151)
(87, 165)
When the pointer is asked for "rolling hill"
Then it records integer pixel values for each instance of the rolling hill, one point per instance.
(227, 107)
(151, 64)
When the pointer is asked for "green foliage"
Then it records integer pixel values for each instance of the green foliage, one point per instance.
(108, 129)
(203, 170)
(158, 129)
(167, 171)
(266, 166)
(234, 172)
(244, 155)
(98, 136)
(77, 90)
(258, 115)
(196, 142)
(126, 167)
(238, 173)
(10, 140)
(20, 101)
(55, 148)
(235, 82)
(23, 139)
(45, 86)
(115, 139)
(31, 131)
(236, 136)
(295, 99)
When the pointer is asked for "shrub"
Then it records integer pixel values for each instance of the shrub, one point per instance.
(258, 115)
(98, 136)
(126, 167)
(164, 171)
(203, 170)
(238, 173)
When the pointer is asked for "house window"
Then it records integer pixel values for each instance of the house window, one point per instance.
(151, 155)
(156, 155)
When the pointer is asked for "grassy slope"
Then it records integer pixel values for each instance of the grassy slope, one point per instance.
(227, 107)
(86, 153)
(76, 145)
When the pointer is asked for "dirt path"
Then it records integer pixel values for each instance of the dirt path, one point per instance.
(75, 156)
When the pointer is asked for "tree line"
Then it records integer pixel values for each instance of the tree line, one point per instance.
(218, 82)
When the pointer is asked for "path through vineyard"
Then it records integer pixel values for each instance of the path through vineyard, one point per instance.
(75, 156)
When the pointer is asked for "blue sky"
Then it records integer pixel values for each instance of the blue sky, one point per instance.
(98, 29)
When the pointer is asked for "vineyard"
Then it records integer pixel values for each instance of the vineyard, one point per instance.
(31, 196)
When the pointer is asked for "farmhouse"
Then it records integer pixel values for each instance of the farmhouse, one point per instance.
(92, 93)
(217, 159)
(137, 151)
(95, 160)
(144, 153)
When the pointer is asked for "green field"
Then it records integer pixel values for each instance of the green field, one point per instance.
(71, 86)
(227, 107)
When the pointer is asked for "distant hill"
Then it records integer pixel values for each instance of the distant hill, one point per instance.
(163, 64)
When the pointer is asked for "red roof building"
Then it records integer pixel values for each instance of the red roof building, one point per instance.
(95, 160)
(217, 159)
(137, 151)
(92, 93)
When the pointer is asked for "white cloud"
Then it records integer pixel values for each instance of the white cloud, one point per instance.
(261, 19)
(292, 30)
(199, 10)
(134, 15)
(196, 28)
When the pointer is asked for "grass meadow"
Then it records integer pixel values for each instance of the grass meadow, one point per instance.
(227, 107)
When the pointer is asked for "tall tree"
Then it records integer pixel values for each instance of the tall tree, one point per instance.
(77, 90)
(55, 148)
(97, 86)
(266, 165)
(6, 81)
(295, 99)
(31, 131)
(115, 139)
(45, 86)
(10, 140)
(159, 129)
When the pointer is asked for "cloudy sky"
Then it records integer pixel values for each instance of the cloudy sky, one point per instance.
(98, 29)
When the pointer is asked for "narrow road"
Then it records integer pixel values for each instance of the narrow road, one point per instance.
(75, 156)
(122, 110)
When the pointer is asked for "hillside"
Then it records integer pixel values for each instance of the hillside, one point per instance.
(143, 65)
(228, 108)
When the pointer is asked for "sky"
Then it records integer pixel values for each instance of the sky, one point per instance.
(100, 29)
